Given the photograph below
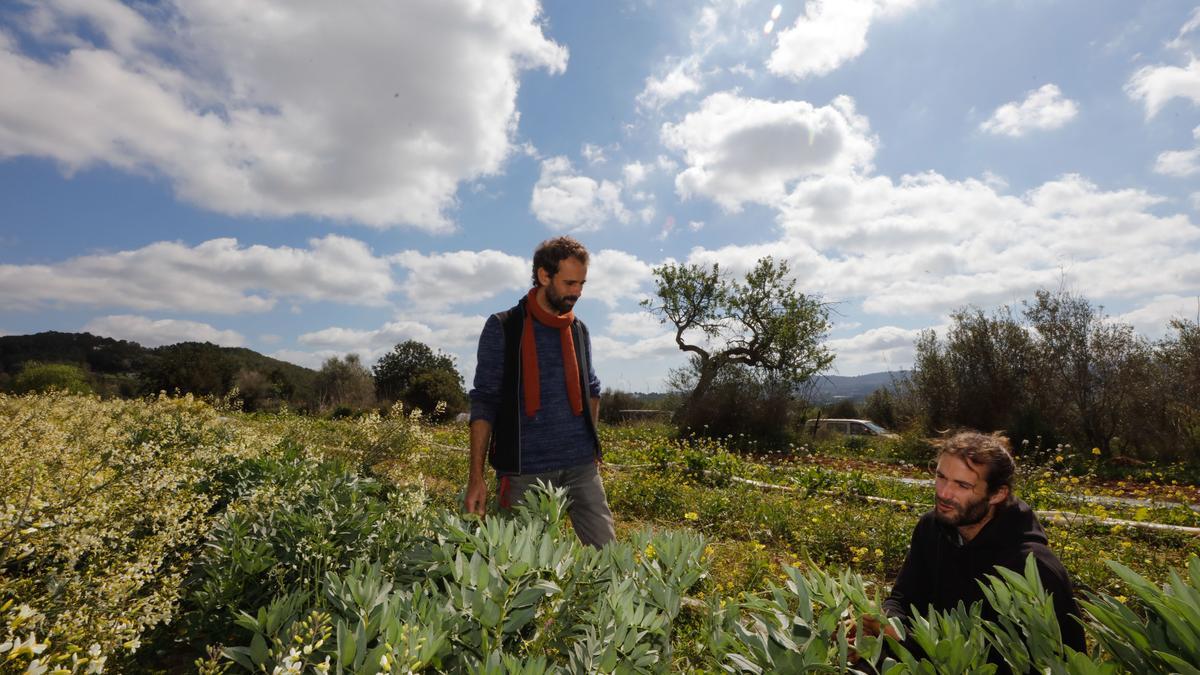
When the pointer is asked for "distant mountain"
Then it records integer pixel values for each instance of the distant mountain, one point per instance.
(830, 388)
(124, 368)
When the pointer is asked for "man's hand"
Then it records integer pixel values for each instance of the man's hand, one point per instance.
(476, 499)
(871, 627)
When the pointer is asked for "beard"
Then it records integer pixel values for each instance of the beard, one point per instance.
(560, 303)
(963, 515)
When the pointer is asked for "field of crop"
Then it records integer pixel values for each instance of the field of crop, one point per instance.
(172, 535)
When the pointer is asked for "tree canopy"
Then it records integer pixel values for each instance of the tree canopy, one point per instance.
(760, 322)
(345, 383)
(41, 377)
(420, 377)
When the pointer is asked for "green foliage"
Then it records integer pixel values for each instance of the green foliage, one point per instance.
(1061, 371)
(199, 368)
(413, 373)
(844, 408)
(1176, 410)
(880, 407)
(742, 406)
(613, 401)
(796, 628)
(143, 533)
(101, 503)
(438, 393)
(1027, 633)
(345, 382)
(1166, 639)
(761, 322)
(950, 642)
(98, 354)
(475, 597)
(42, 377)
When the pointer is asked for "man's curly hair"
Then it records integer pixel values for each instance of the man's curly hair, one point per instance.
(551, 252)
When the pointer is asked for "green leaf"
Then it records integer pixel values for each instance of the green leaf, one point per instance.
(258, 649)
(517, 619)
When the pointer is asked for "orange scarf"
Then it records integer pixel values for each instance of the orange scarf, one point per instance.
(529, 362)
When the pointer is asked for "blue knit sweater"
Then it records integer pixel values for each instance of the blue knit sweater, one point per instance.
(554, 438)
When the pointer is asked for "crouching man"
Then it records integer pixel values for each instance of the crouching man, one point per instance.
(976, 525)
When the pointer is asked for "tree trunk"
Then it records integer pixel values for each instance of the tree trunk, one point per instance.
(709, 367)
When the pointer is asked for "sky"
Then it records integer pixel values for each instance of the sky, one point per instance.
(310, 179)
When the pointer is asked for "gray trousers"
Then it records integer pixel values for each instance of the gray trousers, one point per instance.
(588, 509)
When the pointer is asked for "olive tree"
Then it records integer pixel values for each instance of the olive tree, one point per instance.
(760, 322)
(345, 382)
(1096, 367)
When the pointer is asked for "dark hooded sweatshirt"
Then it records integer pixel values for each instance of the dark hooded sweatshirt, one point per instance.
(941, 570)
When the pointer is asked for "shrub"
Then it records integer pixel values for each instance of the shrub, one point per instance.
(437, 393)
(742, 406)
(613, 402)
(101, 502)
(43, 377)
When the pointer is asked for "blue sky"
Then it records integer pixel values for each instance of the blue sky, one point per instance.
(310, 179)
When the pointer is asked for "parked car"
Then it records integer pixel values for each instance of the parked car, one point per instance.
(829, 427)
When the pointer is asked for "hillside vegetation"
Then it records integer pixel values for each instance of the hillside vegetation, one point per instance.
(171, 535)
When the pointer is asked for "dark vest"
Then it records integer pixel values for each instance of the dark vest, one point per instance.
(504, 449)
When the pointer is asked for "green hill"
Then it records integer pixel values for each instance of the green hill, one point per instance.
(123, 368)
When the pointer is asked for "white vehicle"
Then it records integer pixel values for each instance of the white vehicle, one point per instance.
(828, 427)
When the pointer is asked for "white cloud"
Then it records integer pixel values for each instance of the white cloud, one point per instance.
(156, 333)
(1191, 26)
(828, 34)
(217, 276)
(456, 334)
(1155, 86)
(565, 200)
(679, 80)
(928, 244)
(875, 339)
(743, 70)
(744, 149)
(312, 359)
(640, 324)
(615, 276)
(456, 277)
(1180, 163)
(874, 350)
(1043, 109)
(593, 153)
(635, 172)
(611, 349)
(1153, 318)
(278, 108)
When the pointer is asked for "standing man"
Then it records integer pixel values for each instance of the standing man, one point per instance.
(976, 525)
(536, 399)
